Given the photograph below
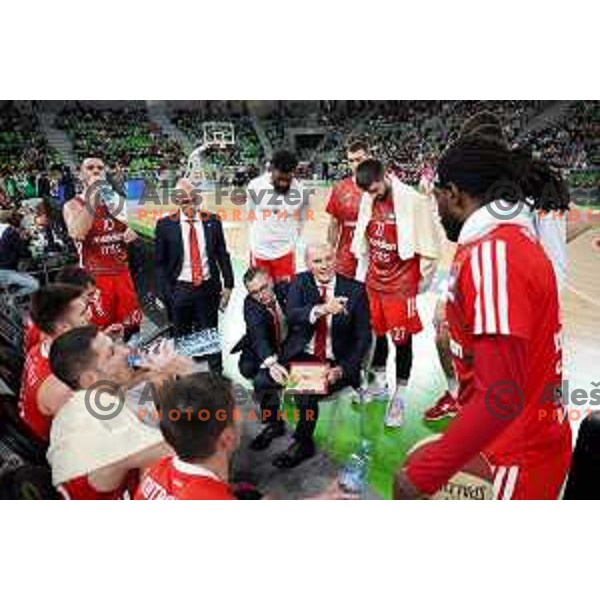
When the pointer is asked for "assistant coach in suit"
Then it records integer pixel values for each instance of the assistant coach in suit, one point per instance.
(193, 268)
(261, 348)
(329, 321)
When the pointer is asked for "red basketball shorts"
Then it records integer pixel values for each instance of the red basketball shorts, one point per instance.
(394, 313)
(116, 302)
(280, 269)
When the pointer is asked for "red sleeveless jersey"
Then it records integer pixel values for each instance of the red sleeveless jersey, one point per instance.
(343, 205)
(103, 251)
(387, 272)
(35, 372)
(173, 479)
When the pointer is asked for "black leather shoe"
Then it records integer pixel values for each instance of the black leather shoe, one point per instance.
(271, 431)
(298, 452)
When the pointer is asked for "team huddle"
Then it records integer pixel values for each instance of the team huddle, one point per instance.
(351, 315)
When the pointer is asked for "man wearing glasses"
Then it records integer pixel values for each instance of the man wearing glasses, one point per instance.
(261, 346)
(101, 237)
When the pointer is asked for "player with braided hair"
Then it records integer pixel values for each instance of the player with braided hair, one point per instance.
(549, 222)
(503, 318)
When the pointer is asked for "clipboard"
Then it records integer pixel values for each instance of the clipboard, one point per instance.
(308, 378)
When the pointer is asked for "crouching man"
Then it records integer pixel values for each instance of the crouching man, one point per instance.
(261, 346)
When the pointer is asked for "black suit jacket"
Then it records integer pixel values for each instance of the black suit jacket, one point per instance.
(350, 332)
(260, 340)
(168, 253)
(10, 248)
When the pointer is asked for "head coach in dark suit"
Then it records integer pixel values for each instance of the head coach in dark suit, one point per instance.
(261, 347)
(191, 260)
(329, 321)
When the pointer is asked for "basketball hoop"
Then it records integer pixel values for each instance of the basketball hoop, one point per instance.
(216, 135)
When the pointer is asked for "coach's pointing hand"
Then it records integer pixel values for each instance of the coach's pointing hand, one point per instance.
(335, 306)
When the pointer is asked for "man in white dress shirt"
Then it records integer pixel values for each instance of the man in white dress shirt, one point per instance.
(194, 275)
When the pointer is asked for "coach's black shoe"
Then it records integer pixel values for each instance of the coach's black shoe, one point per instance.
(298, 452)
(271, 431)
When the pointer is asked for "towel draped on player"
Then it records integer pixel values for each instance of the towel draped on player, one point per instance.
(417, 232)
(81, 443)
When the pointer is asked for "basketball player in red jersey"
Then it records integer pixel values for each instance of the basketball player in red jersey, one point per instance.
(101, 239)
(198, 420)
(503, 318)
(200, 471)
(77, 276)
(342, 205)
(399, 260)
(552, 228)
(55, 309)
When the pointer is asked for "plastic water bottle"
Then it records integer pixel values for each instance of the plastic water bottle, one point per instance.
(134, 358)
(199, 343)
(353, 475)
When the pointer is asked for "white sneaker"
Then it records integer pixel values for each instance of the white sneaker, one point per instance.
(376, 394)
(394, 414)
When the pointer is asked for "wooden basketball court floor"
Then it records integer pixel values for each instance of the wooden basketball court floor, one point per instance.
(340, 422)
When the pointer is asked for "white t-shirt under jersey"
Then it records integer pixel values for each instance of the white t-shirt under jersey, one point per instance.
(551, 230)
(279, 217)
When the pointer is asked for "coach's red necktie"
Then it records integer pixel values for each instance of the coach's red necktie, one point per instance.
(277, 322)
(195, 257)
(321, 331)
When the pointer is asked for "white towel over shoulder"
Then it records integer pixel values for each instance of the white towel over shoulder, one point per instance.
(417, 232)
(80, 443)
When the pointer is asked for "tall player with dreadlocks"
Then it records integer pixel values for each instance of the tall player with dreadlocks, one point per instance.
(552, 227)
(503, 317)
